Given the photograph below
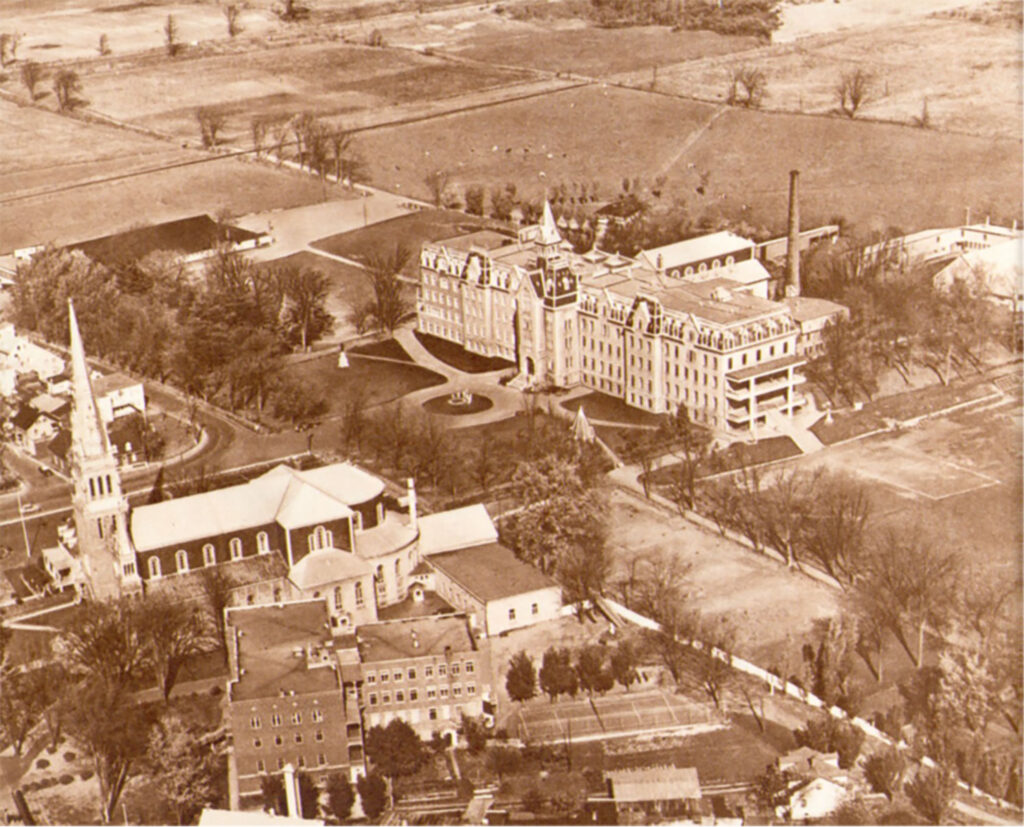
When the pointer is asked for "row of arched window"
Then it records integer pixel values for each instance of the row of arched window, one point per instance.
(235, 550)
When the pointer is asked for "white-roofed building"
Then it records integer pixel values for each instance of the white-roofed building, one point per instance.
(653, 794)
(695, 256)
(329, 524)
(455, 529)
(997, 271)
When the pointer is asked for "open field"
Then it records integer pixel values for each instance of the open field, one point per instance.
(876, 175)
(53, 187)
(275, 82)
(568, 46)
(409, 230)
(726, 580)
(958, 477)
(71, 29)
(969, 72)
(588, 134)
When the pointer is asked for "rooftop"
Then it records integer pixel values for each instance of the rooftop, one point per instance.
(491, 571)
(327, 566)
(766, 367)
(806, 308)
(268, 639)
(480, 240)
(389, 535)
(108, 382)
(289, 497)
(186, 235)
(691, 250)
(458, 528)
(655, 784)
(414, 638)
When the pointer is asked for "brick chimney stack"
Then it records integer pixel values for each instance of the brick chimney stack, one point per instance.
(793, 238)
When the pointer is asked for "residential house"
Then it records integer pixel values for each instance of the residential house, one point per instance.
(118, 395)
(29, 428)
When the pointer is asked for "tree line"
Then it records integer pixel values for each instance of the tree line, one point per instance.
(217, 337)
(85, 689)
(899, 319)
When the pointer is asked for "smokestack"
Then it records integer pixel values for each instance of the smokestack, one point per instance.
(412, 502)
(793, 239)
(291, 792)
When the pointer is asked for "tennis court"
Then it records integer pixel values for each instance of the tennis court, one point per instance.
(627, 712)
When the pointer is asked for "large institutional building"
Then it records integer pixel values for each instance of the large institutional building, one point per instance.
(687, 325)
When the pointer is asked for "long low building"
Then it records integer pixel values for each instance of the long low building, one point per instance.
(688, 325)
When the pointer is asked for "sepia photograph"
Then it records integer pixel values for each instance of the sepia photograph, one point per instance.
(513, 412)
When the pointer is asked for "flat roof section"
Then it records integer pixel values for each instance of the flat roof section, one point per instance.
(414, 638)
(269, 638)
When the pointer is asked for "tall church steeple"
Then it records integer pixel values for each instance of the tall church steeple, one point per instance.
(100, 507)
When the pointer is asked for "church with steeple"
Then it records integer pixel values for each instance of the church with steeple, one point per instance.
(100, 506)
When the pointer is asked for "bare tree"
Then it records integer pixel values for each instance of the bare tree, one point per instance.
(753, 83)
(259, 133)
(172, 632)
(305, 293)
(291, 10)
(32, 74)
(104, 45)
(66, 87)
(279, 130)
(854, 89)
(9, 42)
(908, 582)
(836, 531)
(217, 586)
(211, 121)
(437, 182)
(232, 14)
(390, 303)
(784, 506)
(171, 36)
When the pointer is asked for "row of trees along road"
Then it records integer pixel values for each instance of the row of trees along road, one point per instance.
(84, 689)
(954, 619)
(218, 337)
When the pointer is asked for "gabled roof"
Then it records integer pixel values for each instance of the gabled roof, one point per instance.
(655, 784)
(694, 249)
(458, 528)
(283, 495)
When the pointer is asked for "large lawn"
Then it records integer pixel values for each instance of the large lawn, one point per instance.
(586, 134)
(876, 175)
(411, 231)
(377, 382)
(53, 185)
(577, 48)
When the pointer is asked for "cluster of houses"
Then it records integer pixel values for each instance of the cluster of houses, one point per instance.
(36, 390)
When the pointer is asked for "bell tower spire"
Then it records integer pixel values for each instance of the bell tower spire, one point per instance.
(100, 507)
